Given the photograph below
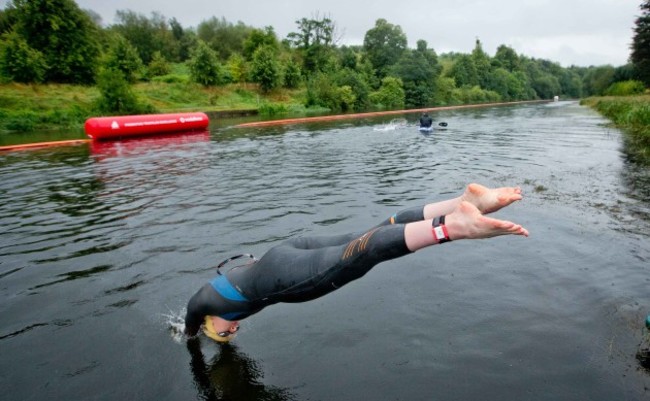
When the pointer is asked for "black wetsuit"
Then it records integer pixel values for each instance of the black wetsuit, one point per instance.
(299, 270)
(426, 121)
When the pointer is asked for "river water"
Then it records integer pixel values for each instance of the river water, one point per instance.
(102, 246)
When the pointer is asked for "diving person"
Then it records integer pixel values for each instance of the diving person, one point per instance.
(306, 268)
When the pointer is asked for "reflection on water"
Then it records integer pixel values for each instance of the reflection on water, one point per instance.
(99, 241)
(230, 375)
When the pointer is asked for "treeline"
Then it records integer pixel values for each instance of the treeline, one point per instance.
(56, 41)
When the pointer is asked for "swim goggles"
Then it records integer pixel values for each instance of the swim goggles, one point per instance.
(222, 264)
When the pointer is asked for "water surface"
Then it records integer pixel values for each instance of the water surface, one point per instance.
(100, 244)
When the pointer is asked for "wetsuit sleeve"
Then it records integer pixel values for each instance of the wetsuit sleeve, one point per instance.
(197, 308)
(409, 215)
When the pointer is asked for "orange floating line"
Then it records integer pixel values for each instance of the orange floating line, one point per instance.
(28, 146)
(379, 113)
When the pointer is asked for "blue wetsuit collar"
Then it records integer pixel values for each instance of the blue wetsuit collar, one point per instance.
(226, 289)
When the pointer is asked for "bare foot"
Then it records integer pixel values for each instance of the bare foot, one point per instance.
(488, 200)
(467, 222)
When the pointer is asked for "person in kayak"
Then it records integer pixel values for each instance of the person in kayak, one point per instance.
(306, 268)
(425, 121)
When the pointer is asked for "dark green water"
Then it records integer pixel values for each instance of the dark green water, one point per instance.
(100, 244)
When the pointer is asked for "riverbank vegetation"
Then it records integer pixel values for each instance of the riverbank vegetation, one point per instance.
(632, 115)
(60, 65)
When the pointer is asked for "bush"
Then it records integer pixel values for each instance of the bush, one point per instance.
(632, 115)
(19, 62)
(117, 96)
(625, 88)
(346, 98)
(204, 67)
(390, 95)
(123, 57)
(266, 69)
(292, 77)
(21, 121)
(271, 109)
(321, 91)
(237, 68)
(158, 66)
(476, 95)
(172, 79)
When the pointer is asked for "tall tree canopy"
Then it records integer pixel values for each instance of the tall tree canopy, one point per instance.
(315, 40)
(384, 45)
(224, 37)
(147, 35)
(482, 64)
(418, 69)
(63, 33)
(640, 56)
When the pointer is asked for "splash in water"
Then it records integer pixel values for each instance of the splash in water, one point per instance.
(176, 325)
(393, 125)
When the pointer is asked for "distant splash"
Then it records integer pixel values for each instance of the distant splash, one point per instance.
(393, 125)
(175, 323)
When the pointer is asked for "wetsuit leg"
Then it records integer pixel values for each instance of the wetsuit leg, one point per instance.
(404, 216)
(290, 274)
(409, 215)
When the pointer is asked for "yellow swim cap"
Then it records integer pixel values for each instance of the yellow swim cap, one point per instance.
(209, 331)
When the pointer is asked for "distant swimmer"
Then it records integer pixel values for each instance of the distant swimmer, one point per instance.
(426, 121)
(306, 268)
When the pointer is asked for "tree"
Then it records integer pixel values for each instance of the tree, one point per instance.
(322, 91)
(292, 74)
(204, 65)
(313, 32)
(63, 33)
(384, 45)
(444, 94)
(185, 39)
(116, 94)
(640, 56)
(357, 83)
(390, 95)
(122, 56)
(148, 35)
(19, 62)
(571, 83)
(546, 86)
(506, 85)
(507, 59)
(418, 70)
(257, 38)
(482, 65)
(266, 69)
(158, 66)
(223, 37)
(598, 79)
(464, 71)
(348, 57)
(237, 67)
(315, 41)
(8, 18)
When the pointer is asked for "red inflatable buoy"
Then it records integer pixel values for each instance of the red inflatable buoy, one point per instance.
(147, 124)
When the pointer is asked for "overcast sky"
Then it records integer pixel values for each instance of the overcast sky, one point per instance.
(571, 32)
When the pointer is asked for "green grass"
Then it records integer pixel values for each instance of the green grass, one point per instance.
(632, 115)
(28, 108)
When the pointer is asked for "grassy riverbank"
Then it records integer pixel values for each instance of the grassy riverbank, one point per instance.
(26, 108)
(632, 115)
